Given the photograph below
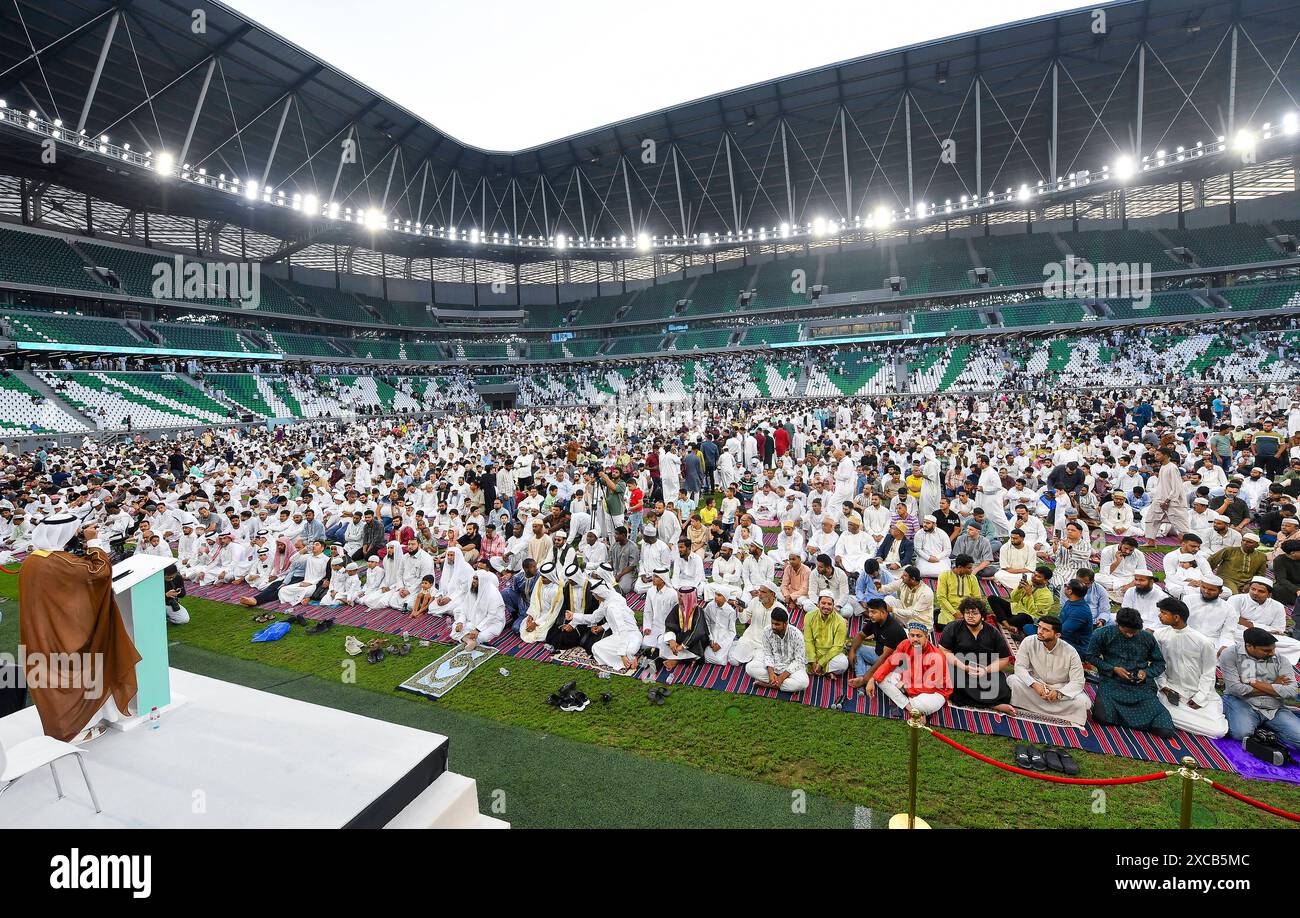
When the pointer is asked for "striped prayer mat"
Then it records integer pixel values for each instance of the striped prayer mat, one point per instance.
(822, 693)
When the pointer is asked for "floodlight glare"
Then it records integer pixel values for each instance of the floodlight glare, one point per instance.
(310, 205)
(1124, 168)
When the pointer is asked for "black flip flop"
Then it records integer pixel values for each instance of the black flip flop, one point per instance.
(1068, 764)
(1053, 760)
(1036, 760)
(1022, 756)
(296, 619)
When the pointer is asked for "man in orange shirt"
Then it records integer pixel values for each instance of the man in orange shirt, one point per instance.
(916, 675)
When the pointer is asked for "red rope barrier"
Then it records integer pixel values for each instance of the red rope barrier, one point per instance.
(1253, 802)
(1136, 779)
(5, 570)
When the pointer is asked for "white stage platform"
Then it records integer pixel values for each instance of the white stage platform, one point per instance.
(234, 757)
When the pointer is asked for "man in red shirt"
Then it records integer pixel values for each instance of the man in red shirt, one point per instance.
(916, 675)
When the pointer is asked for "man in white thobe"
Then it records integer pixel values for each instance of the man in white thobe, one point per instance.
(1186, 687)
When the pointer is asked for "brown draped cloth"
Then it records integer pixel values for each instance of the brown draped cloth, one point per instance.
(66, 606)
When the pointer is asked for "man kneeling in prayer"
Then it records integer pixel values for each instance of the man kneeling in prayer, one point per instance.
(916, 675)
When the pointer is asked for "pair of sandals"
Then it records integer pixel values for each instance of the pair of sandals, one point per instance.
(658, 694)
(1046, 759)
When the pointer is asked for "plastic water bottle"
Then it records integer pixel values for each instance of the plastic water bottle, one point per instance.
(604, 675)
(155, 719)
(503, 671)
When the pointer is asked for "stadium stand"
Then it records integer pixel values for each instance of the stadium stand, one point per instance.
(1017, 260)
(25, 411)
(855, 269)
(946, 320)
(73, 331)
(935, 265)
(195, 337)
(1230, 244)
(43, 261)
(1043, 313)
(774, 282)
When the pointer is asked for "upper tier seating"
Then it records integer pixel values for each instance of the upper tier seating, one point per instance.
(934, 265)
(43, 261)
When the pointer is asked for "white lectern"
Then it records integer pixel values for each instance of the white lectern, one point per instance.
(138, 587)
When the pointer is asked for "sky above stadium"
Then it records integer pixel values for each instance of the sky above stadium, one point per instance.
(512, 74)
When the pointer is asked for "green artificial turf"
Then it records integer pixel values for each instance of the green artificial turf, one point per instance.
(704, 758)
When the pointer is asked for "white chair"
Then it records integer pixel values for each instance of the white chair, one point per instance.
(32, 754)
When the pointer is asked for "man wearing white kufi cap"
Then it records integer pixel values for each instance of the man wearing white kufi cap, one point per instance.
(932, 547)
(1143, 596)
(756, 616)
(720, 619)
(1256, 608)
(728, 570)
(1208, 609)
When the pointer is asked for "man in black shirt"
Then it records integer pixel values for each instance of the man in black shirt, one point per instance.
(978, 653)
(885, 631)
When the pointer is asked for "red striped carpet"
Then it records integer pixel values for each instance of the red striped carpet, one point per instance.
(823, 693)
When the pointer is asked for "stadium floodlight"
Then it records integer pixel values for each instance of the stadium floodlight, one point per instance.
(374, 219)
(819, 226)
(561, 242)
(883, 217)
(1024, 193)
(785, 230)
(473, 235)
(1244, 142)
(643, 242)
(1124, 168)
(310, 205)
(1290, 122)
(165, 163)
(250, 190)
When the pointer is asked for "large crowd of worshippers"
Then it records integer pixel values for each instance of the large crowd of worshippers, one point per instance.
(955, 531)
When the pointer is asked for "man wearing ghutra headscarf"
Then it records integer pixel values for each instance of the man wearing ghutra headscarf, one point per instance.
(66, 610)
(544, 606)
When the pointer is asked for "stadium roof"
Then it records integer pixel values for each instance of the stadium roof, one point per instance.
(836, 142)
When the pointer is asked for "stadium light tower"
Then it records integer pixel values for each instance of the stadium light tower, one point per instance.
(166, 163)
(1124, 168)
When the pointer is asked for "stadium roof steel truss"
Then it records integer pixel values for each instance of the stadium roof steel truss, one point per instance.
(1012, 118)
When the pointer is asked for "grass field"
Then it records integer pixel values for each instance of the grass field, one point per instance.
(705, 758)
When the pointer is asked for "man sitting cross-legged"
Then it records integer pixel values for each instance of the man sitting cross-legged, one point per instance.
(825, 632)
(915, 676)
(780, 660)
(979, 654)
(1049, 679)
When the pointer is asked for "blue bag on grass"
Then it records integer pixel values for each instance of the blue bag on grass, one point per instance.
(271, 633)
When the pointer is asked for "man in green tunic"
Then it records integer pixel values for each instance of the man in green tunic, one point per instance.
(1129, 660)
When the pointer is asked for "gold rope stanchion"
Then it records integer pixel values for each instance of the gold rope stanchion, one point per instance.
(909, 820)
(1190, 777)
